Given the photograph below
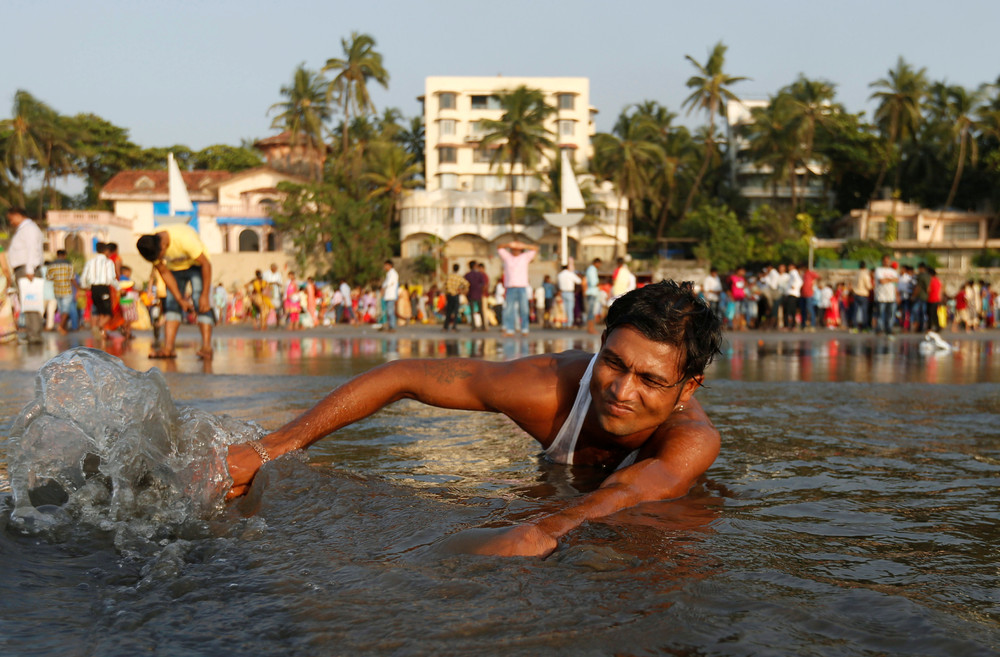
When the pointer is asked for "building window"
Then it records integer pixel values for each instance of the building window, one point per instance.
(483, 102)
(961, 230)
(906, 230)
(447, 127)
(447, 155)
(482, 155)
(446, 100)
(566, 101)
(448, 180)
(567, 128)
(476, 129)
(272, 242)
(489, 183)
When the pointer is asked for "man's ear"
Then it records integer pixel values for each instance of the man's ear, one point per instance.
(689, 388)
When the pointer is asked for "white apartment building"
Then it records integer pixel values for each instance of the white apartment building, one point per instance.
(466, 203)
(755, 182)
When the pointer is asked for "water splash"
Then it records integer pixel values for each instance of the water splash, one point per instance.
(103, 447)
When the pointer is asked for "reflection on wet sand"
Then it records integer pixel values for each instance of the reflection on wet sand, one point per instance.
(785, 357)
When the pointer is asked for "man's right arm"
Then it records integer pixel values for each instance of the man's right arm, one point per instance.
(456, 383)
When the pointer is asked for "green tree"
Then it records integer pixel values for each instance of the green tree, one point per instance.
(710, 93)
(102, 150)
(774, 144)
(520, 135)
(23, 138)
(360, 65)
(390, 171)
(900, 99)
(303, 114)
(628, 157)
(222, 157)
(721, 238)
(961, 111)
(333, 232)
(680, 157)
(155, 158)
(810, 105)
(855, 154)
(412, 138)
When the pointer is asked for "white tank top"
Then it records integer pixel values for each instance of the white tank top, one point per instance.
(562, 448)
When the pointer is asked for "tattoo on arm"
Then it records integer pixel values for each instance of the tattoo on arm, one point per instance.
(445, 372)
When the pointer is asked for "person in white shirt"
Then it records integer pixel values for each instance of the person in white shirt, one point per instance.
(99, 277)
(567, 280)
(790, 301)
(771, 289)
(25, 255)
(390, 293)
(624, 280)
(276, 287)
(886, 279)
(711, 289)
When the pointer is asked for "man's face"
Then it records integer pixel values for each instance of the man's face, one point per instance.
(635, 386)
(15, 218)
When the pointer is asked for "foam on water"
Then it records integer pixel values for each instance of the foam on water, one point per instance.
(103, 447)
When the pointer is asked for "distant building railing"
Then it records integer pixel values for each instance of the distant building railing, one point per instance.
(235, 210)
(85, 219)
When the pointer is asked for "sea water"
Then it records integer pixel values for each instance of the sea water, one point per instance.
(103, 448)
(852, 511)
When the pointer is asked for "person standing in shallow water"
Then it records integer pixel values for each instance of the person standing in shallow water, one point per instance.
(629, 408)
(180, 258)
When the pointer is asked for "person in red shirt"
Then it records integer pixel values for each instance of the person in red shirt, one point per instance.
(807, 300)
(933, 299)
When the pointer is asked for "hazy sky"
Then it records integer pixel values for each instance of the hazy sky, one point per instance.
(205, 72)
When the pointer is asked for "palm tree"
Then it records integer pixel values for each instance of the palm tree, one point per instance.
(24, 143)
(412, 139)
(627, 157)
(811, 107)
(711, 92)
(962, 107)
(361, 64)
(900, 97)
(391, 170)
(520, 134)
(774, 143)
(679, 157)
(58, 155)
(303, 114)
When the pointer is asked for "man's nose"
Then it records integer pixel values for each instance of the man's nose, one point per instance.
(624, 386)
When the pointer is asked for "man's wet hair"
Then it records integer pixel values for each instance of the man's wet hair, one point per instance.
(671, 313)
(149, 247)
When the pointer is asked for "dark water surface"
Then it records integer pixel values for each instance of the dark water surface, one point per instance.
(853, 511)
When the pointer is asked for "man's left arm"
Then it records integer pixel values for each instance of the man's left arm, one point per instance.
(687, 452)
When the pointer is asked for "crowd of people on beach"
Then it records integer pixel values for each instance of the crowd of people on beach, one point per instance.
(886, 299)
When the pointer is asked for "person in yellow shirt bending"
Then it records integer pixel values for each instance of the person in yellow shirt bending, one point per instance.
(179, 256)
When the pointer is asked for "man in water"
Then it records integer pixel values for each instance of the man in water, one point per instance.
(629, 409)
(179, 257)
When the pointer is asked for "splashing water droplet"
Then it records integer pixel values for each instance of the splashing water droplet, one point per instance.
(104, 447)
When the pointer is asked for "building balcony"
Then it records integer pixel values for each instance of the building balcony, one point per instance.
(70, 220)
(254, 211)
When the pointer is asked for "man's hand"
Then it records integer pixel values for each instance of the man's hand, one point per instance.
(518, 541)
(243, 463)
(204, 302)
(29, 276)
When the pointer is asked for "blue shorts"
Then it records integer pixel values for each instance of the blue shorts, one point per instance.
(183, 277)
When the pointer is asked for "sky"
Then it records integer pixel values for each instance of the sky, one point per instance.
(203, 72)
